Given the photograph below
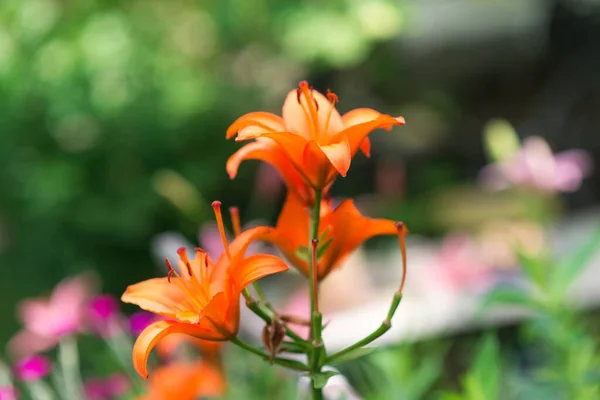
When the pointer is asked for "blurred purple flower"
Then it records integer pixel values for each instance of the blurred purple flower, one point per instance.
(46, 321)
(8, 392)
(535, 166)
(114, 386)
(103, 314)
(138, 321)
(33, 368)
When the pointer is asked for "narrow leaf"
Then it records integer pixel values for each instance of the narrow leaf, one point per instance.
(573, 264)
(358, 353)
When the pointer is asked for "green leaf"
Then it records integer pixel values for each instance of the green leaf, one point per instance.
(571, 266)
(509, 296)
(323, 234)
(357, 353)
(303, 253)
(535, 267)
(293, 347)
(483, 380)
(320, 378)
(323, 247)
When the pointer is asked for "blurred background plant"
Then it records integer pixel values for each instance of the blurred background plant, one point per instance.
(113, 121)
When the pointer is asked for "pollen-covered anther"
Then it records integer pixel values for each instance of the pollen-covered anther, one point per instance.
(332, 97)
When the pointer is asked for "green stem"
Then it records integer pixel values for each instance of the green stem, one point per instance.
(317, 394)
(39, 390)
(69, 365)
(257, 308)
(284, 362)
(383, 328)
(120, 347)
(259, 292)
(316, 354)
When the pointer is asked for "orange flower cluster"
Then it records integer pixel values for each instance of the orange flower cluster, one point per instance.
(310, 145)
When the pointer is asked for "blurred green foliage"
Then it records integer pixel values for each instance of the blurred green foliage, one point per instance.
(101, 100)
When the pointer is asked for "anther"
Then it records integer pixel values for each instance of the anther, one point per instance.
(332, 97)
(235, 220)
(171, 270)
(183, 255)
(216, 205)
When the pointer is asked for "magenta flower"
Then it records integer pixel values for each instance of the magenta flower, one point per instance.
(31, 369)
(47, 321)
(8, 392)
(534, 166)
(138, 321)
(103, 314)
(114, 386)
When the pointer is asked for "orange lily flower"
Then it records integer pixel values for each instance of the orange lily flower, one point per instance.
(344, 227)
(185, 382)
(203, 298)
(311, 143)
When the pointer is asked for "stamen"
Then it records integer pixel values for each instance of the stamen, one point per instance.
(202, 253)
(311, 115)
(171, 270)
(182, 285)
(315, 265)
(333, 99)
(216, 205)
(183, 255)
(235, 220)
(402, 233)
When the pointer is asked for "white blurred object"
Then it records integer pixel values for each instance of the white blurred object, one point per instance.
(337, 388)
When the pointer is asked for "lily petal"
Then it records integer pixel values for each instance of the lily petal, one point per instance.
(255, 267)
(349, 230)
(254, 124)
(150, 336)
(339, 154)
(237, 249)
(359, 116)
(357, 133)
(158, 296)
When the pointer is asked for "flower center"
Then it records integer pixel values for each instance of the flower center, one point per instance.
(310, 107)
(193, 283)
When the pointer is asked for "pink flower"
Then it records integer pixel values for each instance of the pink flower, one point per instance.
(535, 166)
(46, 321)
(114, 386)
(103, 314)
(459, 267)
(298, 305)
(33, 368)
(210, 240)
(8, 392)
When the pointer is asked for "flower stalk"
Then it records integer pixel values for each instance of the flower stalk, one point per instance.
(316, 317)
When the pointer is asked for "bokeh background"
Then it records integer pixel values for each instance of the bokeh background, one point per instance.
(113, 115)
